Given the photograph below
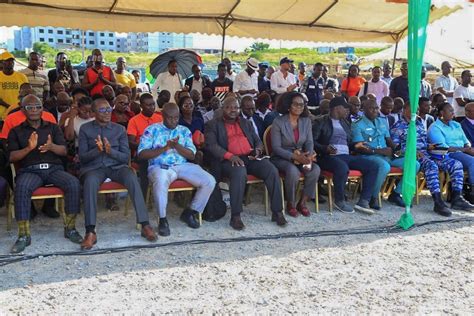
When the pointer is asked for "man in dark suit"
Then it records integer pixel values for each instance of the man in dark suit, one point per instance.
(197, 81)
(248, 113)
(468, 123)
(234, 147)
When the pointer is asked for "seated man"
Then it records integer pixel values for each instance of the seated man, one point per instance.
(135, 129)
(169, 148)
(430, 164)
(372, 139)
(36, 147)
(234, 145)
(104, 153)
(332, 138)
(468, 123)
(248, 113)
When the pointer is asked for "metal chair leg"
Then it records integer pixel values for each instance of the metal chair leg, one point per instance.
(316, 200)
(266, 200)
(330, 195)
(282, 195)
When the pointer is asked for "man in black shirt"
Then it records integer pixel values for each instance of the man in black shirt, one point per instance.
(36, 148)
(221, 86)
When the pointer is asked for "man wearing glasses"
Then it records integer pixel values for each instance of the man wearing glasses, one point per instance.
(36, 147)
(104, 153)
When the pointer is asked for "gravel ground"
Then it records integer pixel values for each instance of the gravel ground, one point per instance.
(426, 270)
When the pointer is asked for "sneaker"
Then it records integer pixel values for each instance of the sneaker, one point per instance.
(374, 204)
(396, 199)
(73, 235)
(163, 227)
(460, 204)
(343, 207)
(20, 244)
(363, 206)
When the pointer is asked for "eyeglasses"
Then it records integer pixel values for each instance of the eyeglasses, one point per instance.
(36, 107)
(105, 110)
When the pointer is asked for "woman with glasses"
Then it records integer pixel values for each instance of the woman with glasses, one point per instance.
(121, 113)
(292, 151)
(189, 118)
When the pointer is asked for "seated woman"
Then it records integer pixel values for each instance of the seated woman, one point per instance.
(446, 132)
(121, 113)
(188, 118)
(292, 151)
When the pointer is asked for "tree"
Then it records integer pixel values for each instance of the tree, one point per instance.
(257, 46)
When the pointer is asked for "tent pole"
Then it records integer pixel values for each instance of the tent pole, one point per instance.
(394, 56)
(224, 27)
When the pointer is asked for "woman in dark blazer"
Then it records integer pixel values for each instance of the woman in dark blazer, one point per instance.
(293, 151)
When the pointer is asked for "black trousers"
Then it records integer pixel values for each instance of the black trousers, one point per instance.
(263, 170)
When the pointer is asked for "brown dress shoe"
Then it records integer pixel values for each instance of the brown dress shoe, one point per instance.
(148, 233)
(89, 241)
(236, 223)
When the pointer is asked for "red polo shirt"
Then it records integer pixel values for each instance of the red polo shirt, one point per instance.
(238, 143)
(138, 124)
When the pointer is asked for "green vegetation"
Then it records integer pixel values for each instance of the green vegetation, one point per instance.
(260, 51)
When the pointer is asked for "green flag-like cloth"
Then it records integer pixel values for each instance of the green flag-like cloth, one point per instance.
(418, 14)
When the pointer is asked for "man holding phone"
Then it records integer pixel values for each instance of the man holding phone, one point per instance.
(333, 142)
(63, 72)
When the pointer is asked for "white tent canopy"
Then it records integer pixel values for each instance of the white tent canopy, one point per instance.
(307, 20)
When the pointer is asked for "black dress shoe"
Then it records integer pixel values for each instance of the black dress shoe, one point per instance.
(374, 203)
(20, 244)
(396, 199)
(459, 203)
(236, 223)
(279, 218)
(163, 227)
(73, 235)
(188, 216)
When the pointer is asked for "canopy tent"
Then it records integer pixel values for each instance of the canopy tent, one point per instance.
(458, 58)
(307, 20)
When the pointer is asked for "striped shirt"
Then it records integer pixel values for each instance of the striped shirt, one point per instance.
(39, 81)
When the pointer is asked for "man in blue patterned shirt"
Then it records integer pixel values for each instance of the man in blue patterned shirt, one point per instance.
(169, 148)
(430, 164)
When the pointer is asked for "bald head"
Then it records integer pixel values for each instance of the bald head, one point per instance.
(30, 99)
(230, 108)
(469, 108)
(170, 114)
(354, 100)
(63, 97)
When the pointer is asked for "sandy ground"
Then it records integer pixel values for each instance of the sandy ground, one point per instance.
(426, 270)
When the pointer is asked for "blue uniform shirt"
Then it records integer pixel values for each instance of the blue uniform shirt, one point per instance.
(399, 133)
(373, 133)
(450, 135)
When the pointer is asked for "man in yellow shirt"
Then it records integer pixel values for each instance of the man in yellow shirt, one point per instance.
(124, 77)
(10, 82)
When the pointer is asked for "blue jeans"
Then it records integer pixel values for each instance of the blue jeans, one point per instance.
(398, 163)
(467, 162)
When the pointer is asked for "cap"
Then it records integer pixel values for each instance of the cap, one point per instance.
(252, 63)
(6, 56)
(263, 65)
(338, 101)
(285, 60)
(302, 64)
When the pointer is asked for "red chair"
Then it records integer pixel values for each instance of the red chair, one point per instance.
(267, 143)
(389, 184)
(45, 192)
(354, 175)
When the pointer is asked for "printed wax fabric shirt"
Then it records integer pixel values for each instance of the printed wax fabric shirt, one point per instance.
(157, 135)
(447, 135)
(90, 156)
(373, 133)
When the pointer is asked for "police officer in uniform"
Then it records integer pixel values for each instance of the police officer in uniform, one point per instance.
(313, 87)
(371, 136)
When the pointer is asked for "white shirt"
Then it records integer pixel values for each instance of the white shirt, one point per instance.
(231, 76)
(462, 92)
(245, 82)
(379, 88)
(208, 116)
(425, 120)
(387, 80)
(166, 81)
(262, 115)
(447, 83)
(279, 84)
(78, 122)
(143, 86)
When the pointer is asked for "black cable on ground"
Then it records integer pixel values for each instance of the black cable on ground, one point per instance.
(9, 259)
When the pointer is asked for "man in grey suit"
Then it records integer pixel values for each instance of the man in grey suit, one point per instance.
(104, 153)
(235, 147)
